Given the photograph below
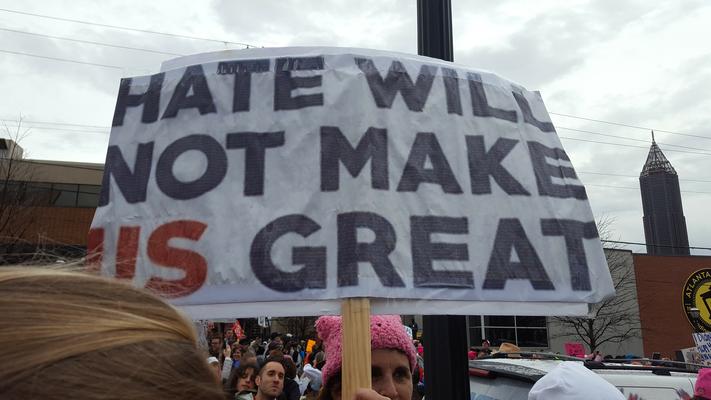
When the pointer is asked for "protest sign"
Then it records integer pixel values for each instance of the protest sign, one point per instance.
(278, 177)
(262, 321)
(575, 349)
(691, 355)
(237, 329)
(703, 345)
(310, 345)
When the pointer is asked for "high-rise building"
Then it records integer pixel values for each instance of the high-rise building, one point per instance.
(664, 222)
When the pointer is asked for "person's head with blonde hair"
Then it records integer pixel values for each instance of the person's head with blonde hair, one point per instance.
(69, 335)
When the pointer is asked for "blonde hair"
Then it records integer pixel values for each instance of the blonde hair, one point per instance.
(72, 335)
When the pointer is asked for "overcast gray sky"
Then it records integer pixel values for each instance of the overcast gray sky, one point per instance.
(638, 63)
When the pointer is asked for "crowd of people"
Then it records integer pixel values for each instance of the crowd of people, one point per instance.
(70, 335)
(236, 363)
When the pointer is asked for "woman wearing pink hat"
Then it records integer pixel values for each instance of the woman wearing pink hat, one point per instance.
(702, 388)
(392, 359)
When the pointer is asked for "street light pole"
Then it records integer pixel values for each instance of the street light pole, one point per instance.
(445, 336)
(434, 29)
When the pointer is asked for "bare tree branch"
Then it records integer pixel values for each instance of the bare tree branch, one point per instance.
(18, 196)
(613, 320)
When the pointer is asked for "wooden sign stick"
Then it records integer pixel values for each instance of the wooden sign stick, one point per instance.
(356, 346)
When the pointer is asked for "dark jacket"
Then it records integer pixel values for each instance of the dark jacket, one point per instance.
(291, 390)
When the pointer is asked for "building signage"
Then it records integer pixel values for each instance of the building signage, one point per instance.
(697, 296)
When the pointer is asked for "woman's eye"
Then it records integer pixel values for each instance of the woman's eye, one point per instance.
(401, 375)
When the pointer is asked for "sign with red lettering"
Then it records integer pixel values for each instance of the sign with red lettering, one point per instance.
(237, 329)
(272, 177)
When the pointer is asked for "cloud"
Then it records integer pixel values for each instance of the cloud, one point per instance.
(635, 62)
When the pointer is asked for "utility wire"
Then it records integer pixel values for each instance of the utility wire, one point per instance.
(656, 245)
(125, 28)
(562, 137)
(636, 188)
(22, 120)
(627, 138)
(631, 145)
(58, 129)
(630, 126)
(90, 42)
(62, 59)
(636, 176)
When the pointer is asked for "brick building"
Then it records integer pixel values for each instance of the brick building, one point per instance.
(660, 288)
(45, 206)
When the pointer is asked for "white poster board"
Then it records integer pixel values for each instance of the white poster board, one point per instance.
(691, 355)
(271, 177)
(703, 346)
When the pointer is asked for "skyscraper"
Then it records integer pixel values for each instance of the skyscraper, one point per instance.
(664, 222)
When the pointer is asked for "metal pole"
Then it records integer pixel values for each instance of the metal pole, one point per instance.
(434, 29)
(445, 336)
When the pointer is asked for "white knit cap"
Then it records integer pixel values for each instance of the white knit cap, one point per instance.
(571, 380)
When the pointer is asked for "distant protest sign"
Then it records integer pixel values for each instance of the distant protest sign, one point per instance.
(703, 346)
(575, 349)
(691, 355)
(306, 174)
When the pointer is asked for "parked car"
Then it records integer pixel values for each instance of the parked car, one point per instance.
(511, 376)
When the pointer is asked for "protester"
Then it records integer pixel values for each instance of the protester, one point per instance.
(274, 346)
(270, 379)
(216, 346)
(571, 380)
(313, 376)
(241, 385)
(320, 359)
(485, 349)
(230, 337)
(598, 356)
(392, 359)
(595, 356)
(291, 386)
(702, 388)
(68, 335)
(237, 352)
(418, 378)
(509, 348)
(214, 364)
(226, 363)
(415, 328)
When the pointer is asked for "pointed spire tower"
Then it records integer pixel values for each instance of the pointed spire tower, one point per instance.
(664, 222)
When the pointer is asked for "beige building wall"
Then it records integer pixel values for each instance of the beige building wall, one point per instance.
(621, 264)
(52, 171)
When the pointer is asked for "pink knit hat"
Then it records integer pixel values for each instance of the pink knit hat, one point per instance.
(703, 383)
(386, 332)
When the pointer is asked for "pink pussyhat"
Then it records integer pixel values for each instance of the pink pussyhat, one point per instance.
(703, 383)
(386, 332)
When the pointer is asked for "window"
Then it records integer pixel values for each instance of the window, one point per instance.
(523, 331)
(35, 193)
(64, 195)
(88, 196)
(44, 194)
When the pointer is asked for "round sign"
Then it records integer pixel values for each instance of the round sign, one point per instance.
(697, 294)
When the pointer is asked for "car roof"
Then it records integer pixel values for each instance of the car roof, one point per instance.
(533, 366)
